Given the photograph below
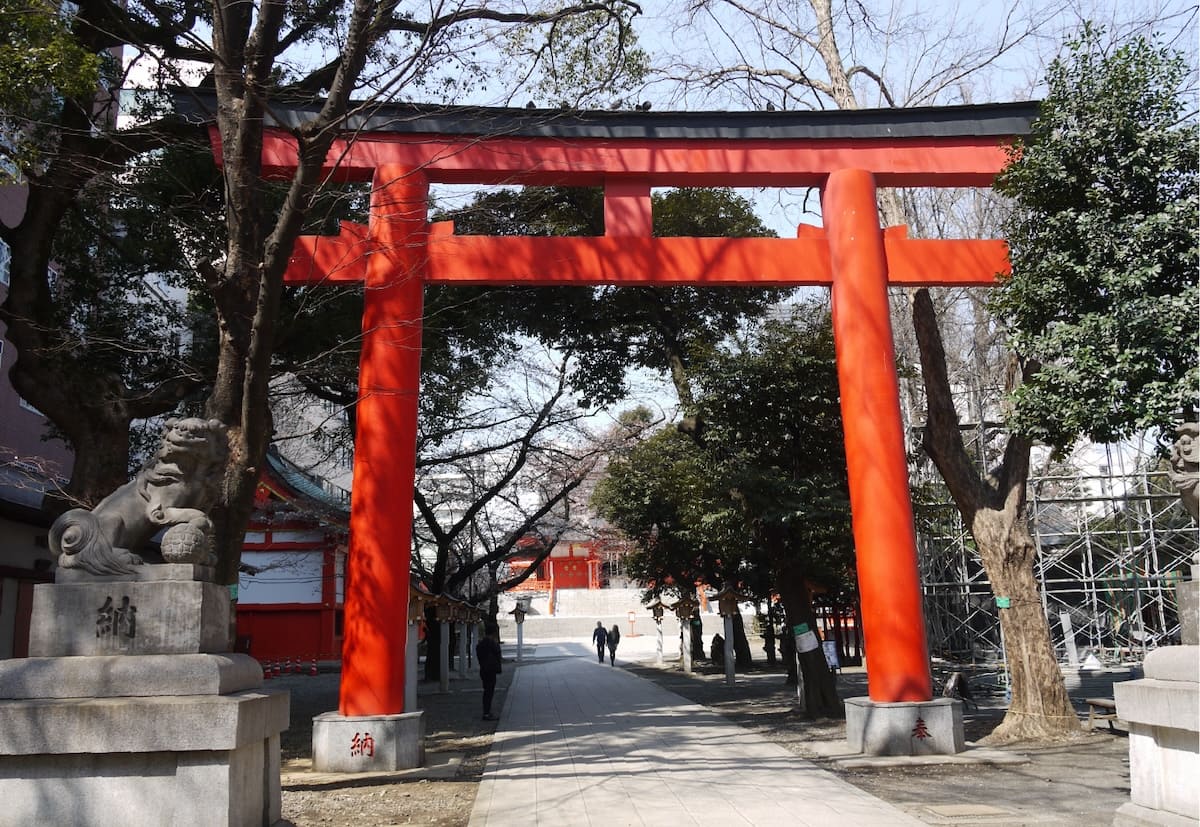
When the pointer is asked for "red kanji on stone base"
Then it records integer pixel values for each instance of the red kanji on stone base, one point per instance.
(920, 731)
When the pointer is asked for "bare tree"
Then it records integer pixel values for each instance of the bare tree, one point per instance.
(354, 54)
(505, 470)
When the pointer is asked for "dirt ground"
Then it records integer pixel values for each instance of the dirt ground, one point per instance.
(1078, 784)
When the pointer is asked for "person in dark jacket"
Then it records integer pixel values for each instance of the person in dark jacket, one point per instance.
(614, 637)
(487, 655)
(600, 638)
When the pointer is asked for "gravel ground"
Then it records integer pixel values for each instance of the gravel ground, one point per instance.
(1079, 784)
(440, 794)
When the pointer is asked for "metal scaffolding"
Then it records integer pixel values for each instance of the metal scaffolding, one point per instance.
(1111, 549)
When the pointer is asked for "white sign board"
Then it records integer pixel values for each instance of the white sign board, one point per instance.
(283, 577)
(807, 641)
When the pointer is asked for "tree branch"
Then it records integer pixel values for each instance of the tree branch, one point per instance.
(942, 439)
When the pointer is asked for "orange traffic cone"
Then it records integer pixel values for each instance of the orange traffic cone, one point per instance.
(267, 671)
(275, 667)
(287, 667)
(312, 670)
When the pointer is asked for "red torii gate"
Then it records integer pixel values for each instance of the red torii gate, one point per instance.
(402, 149)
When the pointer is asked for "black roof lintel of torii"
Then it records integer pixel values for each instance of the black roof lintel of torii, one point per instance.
(976, 120)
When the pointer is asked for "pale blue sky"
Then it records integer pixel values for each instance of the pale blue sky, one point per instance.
(929, 36)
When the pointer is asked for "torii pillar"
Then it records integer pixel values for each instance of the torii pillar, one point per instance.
(372, 729)
(900, 716)
(880, 505)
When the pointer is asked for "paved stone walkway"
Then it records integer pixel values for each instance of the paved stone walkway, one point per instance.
(581, 743)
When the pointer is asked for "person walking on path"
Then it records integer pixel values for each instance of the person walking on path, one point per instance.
(487, 655)
(600, 638)
(614, 637)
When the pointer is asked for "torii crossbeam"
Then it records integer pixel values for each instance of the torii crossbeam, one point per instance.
(402, 149)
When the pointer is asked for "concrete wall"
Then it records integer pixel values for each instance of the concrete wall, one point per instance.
(23, 544)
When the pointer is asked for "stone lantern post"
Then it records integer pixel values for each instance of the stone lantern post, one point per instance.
(417, 600)
(727, 606)
(518, 614)
(683, 610)
(657, 610)
(444, 611)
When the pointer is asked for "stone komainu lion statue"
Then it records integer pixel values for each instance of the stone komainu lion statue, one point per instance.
(176, 487)
(1185, 466)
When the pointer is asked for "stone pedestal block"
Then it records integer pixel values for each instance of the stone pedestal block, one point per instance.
(141, 574)
(368, 743)
(203, 760)
(133, 711)
(1187, 595)
(116, 676)
(122, 617)
(932, 727)
(176, 723)
(1163, 714)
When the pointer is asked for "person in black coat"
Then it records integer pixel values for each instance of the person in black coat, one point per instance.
(487, 655)
(614, 637)
(600, 638)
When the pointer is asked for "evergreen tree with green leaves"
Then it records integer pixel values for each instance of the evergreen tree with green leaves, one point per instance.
(759, 500)
(1101, 308)
(1104, 236)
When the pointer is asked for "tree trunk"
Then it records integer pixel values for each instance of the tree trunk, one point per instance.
(1040, 707)
(248, 287)
(696, 635)
(101, 463)
(742, 658)
(787, 651)
(820, 690)
(993, 507)
(493, 600)
(767, 622)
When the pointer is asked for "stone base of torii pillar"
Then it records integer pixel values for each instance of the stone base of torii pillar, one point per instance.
(368, 743)
(932, 727)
